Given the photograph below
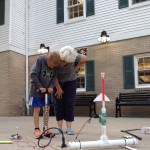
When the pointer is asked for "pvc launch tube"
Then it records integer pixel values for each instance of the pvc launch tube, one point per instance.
(100, 143)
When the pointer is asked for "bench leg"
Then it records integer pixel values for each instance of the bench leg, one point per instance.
(119, 110)
(95, 114)
(116, 111)
(93, 111)
(90, 111)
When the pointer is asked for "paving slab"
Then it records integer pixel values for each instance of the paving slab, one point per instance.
(90, 131)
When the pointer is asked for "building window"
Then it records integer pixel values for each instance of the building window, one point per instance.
(69, 11)
(81, 83)
(74, 10)
(142, 71)
(138, 1)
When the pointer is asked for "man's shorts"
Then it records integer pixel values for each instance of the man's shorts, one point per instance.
(39, 102)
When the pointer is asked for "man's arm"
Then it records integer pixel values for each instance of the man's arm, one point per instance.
(59, 91)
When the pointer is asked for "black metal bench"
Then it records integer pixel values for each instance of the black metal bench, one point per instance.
(81, 100)
(132, 99)
(87, 100)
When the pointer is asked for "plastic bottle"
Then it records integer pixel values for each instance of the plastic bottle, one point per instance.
(145, 130)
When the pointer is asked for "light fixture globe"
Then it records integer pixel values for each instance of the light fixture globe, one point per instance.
(104, 37)
(43, 49)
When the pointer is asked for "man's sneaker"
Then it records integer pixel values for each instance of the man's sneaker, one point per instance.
(58, 131)
(70, 132)
(37, 133)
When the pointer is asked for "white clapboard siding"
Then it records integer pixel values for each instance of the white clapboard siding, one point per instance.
(42, 22)
(4, 29)
(17, 38)
(43, 27)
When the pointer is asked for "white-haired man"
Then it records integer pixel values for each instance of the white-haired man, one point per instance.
(65, 92)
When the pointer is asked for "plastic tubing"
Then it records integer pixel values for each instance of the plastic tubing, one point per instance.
(100, 143)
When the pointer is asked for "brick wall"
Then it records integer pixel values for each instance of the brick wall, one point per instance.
(108, 59)
(12, 83)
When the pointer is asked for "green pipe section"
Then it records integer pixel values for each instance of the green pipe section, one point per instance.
(102, 118)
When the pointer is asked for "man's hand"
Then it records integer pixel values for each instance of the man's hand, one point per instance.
(50, 90)
(59, 93)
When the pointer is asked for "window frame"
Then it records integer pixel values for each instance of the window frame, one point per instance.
(79, 52)
(83, 89)
(140, 4)
(67, 20)
(136, 70)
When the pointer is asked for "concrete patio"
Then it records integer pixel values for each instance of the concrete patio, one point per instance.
(90, 132)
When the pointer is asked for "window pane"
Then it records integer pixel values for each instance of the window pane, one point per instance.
(144, 77)
(76, 9)
(69, 2)
(144, 63)
(144, 70)
(140, 61)
(147, 59)
(138, 1)
(70, 10)
(147, 63)
(75, 14)
(80, 1)
(70, 16)
(147, 66)
(80, 7)
(140, 67)
(75, 2)
(81, 13)
(140, 64)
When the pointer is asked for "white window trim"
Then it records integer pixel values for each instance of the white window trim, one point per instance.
(136, 69)
(66, 20)
(81, 89)
(138, 4)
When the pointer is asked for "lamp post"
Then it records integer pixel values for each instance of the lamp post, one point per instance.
(43, 49)
(104, 37)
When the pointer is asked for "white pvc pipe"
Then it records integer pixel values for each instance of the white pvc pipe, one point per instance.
(100, 143)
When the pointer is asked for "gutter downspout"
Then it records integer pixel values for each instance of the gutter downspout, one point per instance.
(10, 15)
(26, 52)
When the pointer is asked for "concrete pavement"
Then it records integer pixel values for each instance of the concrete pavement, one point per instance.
(90, 132)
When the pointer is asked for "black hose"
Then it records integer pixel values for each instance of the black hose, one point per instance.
(50, 138)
